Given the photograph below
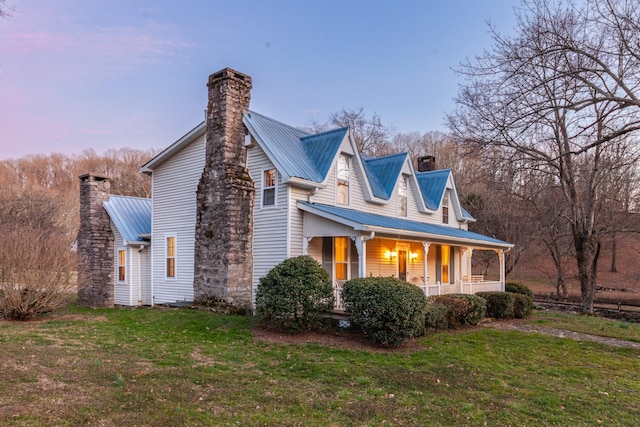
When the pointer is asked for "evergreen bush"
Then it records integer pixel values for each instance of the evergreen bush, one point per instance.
(463, 309)
(436, 317)
(294, 295)
(518, 288)
(522, 306)
(388, 310)
(499, 304)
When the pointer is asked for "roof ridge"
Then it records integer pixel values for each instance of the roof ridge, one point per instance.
(250, 112)
(326, 132)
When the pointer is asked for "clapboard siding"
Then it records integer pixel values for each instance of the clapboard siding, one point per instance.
(296, 221)
(175, 183)
(122, 290)
(269, 223)
(145, 276)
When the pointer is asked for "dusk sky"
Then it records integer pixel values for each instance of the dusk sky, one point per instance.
(80, 74)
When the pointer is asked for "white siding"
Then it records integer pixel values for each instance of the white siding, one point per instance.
(122, 290)
(270, 246)
(145, 276)
(175, 183)
(296, 221)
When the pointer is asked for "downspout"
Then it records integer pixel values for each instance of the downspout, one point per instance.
(140, 275)
(362, 249)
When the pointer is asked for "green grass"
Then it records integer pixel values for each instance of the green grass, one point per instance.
(588, 325)
(186, 367)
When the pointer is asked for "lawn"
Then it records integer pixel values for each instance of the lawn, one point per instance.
(160, 367)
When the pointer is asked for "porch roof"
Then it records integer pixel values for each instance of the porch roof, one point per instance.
(366, 221)
(131, 216)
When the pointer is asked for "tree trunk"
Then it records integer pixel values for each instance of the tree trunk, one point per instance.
(614, 250)
(587, 253)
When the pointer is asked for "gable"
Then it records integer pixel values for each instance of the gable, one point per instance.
(131, 216)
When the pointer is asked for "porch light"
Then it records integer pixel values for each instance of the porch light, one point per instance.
(390, 254)
(413, 255)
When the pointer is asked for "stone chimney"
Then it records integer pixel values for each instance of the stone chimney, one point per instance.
(223, 260)
(426, 163)
(95, 244)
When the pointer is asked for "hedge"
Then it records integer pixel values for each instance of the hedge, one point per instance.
(294, 295)
(388, 310)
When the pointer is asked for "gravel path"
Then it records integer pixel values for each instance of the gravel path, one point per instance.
(561, 333)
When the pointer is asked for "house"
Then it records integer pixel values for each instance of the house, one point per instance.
(241, 192)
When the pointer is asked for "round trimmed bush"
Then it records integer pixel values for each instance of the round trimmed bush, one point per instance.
(463, 309)
(518, 288)
(294, 294)
(499, 304)
(388, 310)
(522, 306)
(436, 317)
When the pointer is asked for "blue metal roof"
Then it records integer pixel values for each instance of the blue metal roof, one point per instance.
(322, 148)
(385, 171)
(131, 216)
(282, 143)
(364, 219)
(432, 185)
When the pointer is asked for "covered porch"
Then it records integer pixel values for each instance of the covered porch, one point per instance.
(435, 258)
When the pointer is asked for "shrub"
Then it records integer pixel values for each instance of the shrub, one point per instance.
(294, 294)
(436, 316)
(388, 310)
(463, 309)
(35, 272)
(518, 288)
(522, 306)
(499, 304)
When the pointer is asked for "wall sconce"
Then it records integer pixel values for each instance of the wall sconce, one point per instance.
(413, 256)
(390, 254)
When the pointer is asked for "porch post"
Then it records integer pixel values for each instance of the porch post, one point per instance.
(361, 247)
(305, 245)
(502, 269)
(425, 247)
(470, 249)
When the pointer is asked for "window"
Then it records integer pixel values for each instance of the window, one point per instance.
(171, 256)
(269, 188)
(402, 196)
(445, 270)
(122, 265)
(341, 257)
(343, 180)
(445, 207)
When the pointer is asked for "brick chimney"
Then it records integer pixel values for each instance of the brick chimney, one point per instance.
(223, 261)
(95, 244)
(426, 163)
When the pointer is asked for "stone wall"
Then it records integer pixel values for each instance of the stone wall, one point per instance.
(95, 244)
(223, 265)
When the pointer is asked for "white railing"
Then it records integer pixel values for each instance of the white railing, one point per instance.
(338, 304)
(465, 287)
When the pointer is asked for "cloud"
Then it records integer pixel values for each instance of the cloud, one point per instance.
(113, 48)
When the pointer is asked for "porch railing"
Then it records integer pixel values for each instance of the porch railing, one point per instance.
(465, 287)
(338, 304)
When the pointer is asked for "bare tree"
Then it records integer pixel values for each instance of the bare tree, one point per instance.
(371, 135)
(561, 93)
(4, 9)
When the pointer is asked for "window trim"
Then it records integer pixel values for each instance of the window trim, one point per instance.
(167, 257)
(403, 185)
(445, 207)
(264, 187)
(347, 181)
(121, 265)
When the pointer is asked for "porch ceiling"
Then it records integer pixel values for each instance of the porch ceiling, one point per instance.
(365, 221)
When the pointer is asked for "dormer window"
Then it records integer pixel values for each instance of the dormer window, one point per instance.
(402, 196)
(445, 207)
(343, 175)
(269, 188)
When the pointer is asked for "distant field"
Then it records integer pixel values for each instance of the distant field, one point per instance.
(186, 367)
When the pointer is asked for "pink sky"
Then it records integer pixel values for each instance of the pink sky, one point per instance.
(100, 74)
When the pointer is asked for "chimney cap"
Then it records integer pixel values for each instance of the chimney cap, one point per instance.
(93, 177)
(229, 73)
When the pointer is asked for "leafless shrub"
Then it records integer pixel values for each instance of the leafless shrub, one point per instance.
(35, 272)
